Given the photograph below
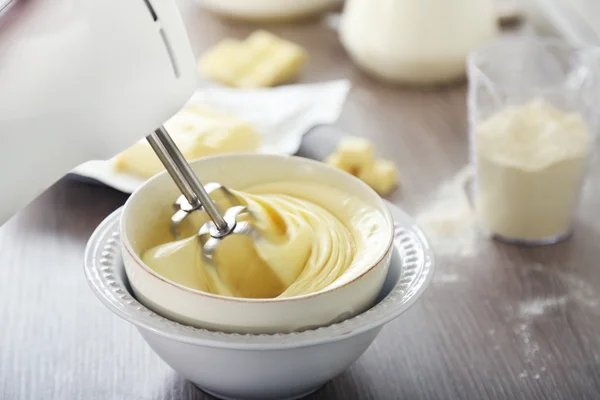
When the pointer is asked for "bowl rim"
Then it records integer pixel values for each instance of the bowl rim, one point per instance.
(102, 254)
(382, 208)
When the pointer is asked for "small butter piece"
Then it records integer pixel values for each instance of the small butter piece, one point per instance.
(381, 175)
(355, 153)
(198, 131)
(334, 160)
(225, 61)
(261, 60)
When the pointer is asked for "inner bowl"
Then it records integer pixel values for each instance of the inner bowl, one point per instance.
(149, 209)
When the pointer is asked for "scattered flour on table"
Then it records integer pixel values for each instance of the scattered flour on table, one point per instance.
(528, 345)
(577, 289)
(526, 314)
(582, 292)
(448, 220)
(538, 307)
(523, 374)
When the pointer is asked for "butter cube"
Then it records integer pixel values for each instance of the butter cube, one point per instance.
(225, 61)
(334, 160)
(261, 60)
(355, 153)
(198, 131)
(381, 175)
(281, 60)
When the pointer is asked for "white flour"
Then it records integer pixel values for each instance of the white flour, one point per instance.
(582, 292)
(538, 307)
(526, 314)
(448, 220)
(531, 160)
(577, 289)
(529, 346)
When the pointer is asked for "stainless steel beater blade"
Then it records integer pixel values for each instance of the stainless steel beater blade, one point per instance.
(186, 180)
(210, 242)
(183, 208)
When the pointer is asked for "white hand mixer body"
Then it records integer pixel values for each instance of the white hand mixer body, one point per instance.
(81, 80)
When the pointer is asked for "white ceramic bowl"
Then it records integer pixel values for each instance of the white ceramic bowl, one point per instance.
(149, 208)
(279, 366)
(268, 10)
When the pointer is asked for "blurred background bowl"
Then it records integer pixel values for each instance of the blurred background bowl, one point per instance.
(269, 10)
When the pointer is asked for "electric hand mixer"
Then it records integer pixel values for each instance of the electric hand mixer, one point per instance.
(84, 79)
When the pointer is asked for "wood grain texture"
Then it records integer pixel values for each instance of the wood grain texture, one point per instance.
(476, 334)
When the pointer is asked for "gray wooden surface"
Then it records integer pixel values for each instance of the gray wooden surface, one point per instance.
(502, 323)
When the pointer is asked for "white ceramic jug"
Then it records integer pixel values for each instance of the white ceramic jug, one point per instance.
(416, 41)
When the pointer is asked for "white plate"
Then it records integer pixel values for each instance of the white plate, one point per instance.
(282, 115)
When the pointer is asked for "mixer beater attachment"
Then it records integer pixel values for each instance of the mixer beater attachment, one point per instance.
(197, 197)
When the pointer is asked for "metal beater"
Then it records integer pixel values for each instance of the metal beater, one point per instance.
(196, 197)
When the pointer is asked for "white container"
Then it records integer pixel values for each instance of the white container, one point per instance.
(416, 41)
(147, 207)
(532, 125)
(268, 10)
(280, 366)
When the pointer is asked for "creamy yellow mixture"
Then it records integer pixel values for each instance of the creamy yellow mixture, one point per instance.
(314, 237)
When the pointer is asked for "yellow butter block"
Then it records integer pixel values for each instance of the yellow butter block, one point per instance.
(381, 175)
(334, 160)
(225, 61)
(198, 131)
(355, 153)
(261, 60)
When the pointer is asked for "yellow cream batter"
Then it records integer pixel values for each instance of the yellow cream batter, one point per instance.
(315, 237)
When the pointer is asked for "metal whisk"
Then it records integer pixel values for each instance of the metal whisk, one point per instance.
(195, 197)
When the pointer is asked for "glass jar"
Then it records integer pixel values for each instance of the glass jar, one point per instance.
(532, 124)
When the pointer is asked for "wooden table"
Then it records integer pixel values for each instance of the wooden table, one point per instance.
(501, 323)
